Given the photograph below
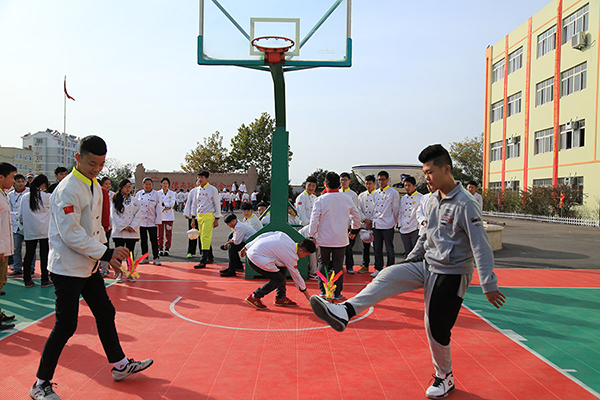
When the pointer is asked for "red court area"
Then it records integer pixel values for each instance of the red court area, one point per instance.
(207, 343)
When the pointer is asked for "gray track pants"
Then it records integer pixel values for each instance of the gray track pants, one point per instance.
(443, 298)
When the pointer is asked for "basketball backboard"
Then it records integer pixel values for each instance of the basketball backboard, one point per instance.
(320, 30)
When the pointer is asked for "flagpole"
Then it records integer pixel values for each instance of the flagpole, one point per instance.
(65, 128)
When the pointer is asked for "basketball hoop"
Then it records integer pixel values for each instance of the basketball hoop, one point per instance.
(274, 48)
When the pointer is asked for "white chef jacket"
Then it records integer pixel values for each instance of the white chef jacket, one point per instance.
(187, 210)
(366, 205)
(422, 213)
(243, 187)
(242, 232)
(167, 200)
(387, 208)
(304, 206)
(206, 200)
(407, 221)
(131, 217)
(14, 199)
(254, 222)
(35, 223)
(150, 208)
(276, 249)
(329, 218)
(76, 233)
(6, 238)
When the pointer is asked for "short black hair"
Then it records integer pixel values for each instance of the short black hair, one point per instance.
(7, 168)
(204, 173)
(311, 179)
(230, 218)
(246, 206)
(165, 179)
(370, 178)
(410, 179)
(308, 245)
(472, 183)
(262, 204)
(19, 176)
(384, 173)
(437, 154)
(345, 175)
(332, 180)
(106, 178)
(92, 144)
(60, 169)
(147, 179)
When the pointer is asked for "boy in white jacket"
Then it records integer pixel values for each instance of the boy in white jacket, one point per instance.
(76, 237)
(7, 178)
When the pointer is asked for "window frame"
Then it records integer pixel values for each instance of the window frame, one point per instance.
(544, 92)
(546, 41)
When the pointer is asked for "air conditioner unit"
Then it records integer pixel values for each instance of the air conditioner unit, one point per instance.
(568, 126)
(575, 125)
(578, 40)
(509, 140)
(567, 180)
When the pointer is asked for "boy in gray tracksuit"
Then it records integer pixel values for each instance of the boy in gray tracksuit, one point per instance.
(441, 263)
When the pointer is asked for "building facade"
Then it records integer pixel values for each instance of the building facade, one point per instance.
(49, 149)
(22, 159)
(541, 102)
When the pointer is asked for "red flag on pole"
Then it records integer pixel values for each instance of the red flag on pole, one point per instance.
(67, 94)
(562, 199)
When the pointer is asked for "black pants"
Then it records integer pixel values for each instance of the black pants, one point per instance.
(380, 236)
(350, 254)
(276, 282)
(67, 290)
(129, 243)
(366, 254)
(153, 233)
(235, 262)
(30, 246)
(333, 259)
(409, 240)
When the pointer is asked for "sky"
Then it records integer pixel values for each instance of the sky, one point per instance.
(417, 78)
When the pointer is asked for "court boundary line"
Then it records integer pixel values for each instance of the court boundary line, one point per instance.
(172, 309)
(535, 353)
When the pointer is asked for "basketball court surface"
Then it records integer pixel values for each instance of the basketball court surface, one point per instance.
(207, 343)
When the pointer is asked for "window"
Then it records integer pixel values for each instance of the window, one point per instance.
(513, 147)
(573, 80)
(546, 42)
(577, 183)
(573, 137)
(515, 60)
(18, 156)
(542, 182)
(544, 141)
(498, 71)
(514, 104)
(498, 111)
(512, 185)
(495, 186)
(544, 92)
(27, 157)
(496, 151)
(576, 22)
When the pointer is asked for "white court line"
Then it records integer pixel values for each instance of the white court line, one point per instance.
(538, 355)
(172, 308)
(228, 281)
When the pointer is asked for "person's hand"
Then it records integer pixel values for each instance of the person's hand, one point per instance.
(497, 298)
(215, 223)
(193, 223)
(243, 252)
(306, 294)
(120, 253)
(352, 235)
(368, 224)
(129, 229)
(116, 266)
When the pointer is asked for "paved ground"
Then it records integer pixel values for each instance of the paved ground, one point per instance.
(526, 244)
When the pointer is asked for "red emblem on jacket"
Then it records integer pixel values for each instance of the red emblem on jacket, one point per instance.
(68, 210)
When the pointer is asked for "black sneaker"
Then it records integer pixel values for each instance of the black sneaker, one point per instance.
(6, 318)
(15, 274)
(45, 391)
(5, 326)
(200, 265)
(131, 368)
(166, 253)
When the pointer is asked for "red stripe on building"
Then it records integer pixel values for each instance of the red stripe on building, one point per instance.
(487, 130)
(557, 90)
(527, 105)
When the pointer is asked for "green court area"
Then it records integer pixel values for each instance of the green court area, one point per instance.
(559, 324)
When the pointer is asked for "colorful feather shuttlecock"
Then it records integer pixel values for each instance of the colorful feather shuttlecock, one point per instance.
(130, 269)
(329, 283)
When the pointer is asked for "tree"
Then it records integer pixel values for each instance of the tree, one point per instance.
(252, 146)
(116, 171)
(210, 156)
(467, 159)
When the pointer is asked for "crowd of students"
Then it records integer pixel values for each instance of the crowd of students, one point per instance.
(442, 234)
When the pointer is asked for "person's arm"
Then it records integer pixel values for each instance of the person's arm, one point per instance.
(217, 204)
(355, 215)
(158, 210)
(137, 217)
(118, 220)
(315, 220)
(170, 201)
(395, 205)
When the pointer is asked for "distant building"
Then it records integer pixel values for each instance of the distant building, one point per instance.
(20, 158)
(49, 151)
(541, 105)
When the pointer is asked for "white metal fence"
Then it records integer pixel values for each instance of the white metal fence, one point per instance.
(542, 218)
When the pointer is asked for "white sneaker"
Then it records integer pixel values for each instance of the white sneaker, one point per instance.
(441, 387)
(131, 368)
(334, 314)
(156, 262)
(374, 274)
